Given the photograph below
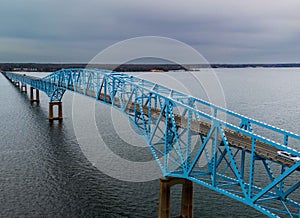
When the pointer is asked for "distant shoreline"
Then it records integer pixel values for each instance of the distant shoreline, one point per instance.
(51, 67)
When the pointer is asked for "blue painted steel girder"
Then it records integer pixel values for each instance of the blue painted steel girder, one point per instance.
(189, 143)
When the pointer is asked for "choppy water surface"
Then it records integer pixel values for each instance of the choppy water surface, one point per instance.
(43, 172)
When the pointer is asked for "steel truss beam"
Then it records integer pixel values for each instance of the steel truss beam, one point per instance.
(188, 143)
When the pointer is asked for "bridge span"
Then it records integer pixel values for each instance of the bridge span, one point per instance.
(189, 144)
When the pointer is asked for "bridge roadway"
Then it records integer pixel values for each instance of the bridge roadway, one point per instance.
(235, 139)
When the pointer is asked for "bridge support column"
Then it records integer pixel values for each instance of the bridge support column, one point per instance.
(59, 112)
(17, 83)
(186, 197)
(37, 95)
(23, 87)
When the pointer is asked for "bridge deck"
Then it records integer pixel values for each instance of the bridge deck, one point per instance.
(235, 139)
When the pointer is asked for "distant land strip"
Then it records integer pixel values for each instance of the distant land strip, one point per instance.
(52, 67)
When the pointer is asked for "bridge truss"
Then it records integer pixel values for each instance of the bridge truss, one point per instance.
(194, 139)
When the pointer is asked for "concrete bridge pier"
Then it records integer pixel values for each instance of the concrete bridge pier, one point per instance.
(23, 87)
(35, 98)
(17, 84)
(59, 111)
(164, 210)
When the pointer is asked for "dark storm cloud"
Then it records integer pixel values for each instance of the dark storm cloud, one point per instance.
(222, 30)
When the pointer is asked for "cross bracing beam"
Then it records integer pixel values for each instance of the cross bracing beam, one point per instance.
(189, 143)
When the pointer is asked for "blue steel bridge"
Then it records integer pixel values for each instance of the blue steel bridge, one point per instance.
(236, 158)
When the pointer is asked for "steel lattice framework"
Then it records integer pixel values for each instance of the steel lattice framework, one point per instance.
(233, 158)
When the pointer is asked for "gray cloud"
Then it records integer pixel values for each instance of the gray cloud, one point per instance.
(222, 30)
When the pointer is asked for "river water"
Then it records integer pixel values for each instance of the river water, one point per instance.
(44, 173)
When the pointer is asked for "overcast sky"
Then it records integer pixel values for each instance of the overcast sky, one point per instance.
(223, 31)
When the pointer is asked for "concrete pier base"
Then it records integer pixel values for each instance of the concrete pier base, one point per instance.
(23, 88)
(59, 112)
(35, 98)
(17, 84)
(186, 197)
